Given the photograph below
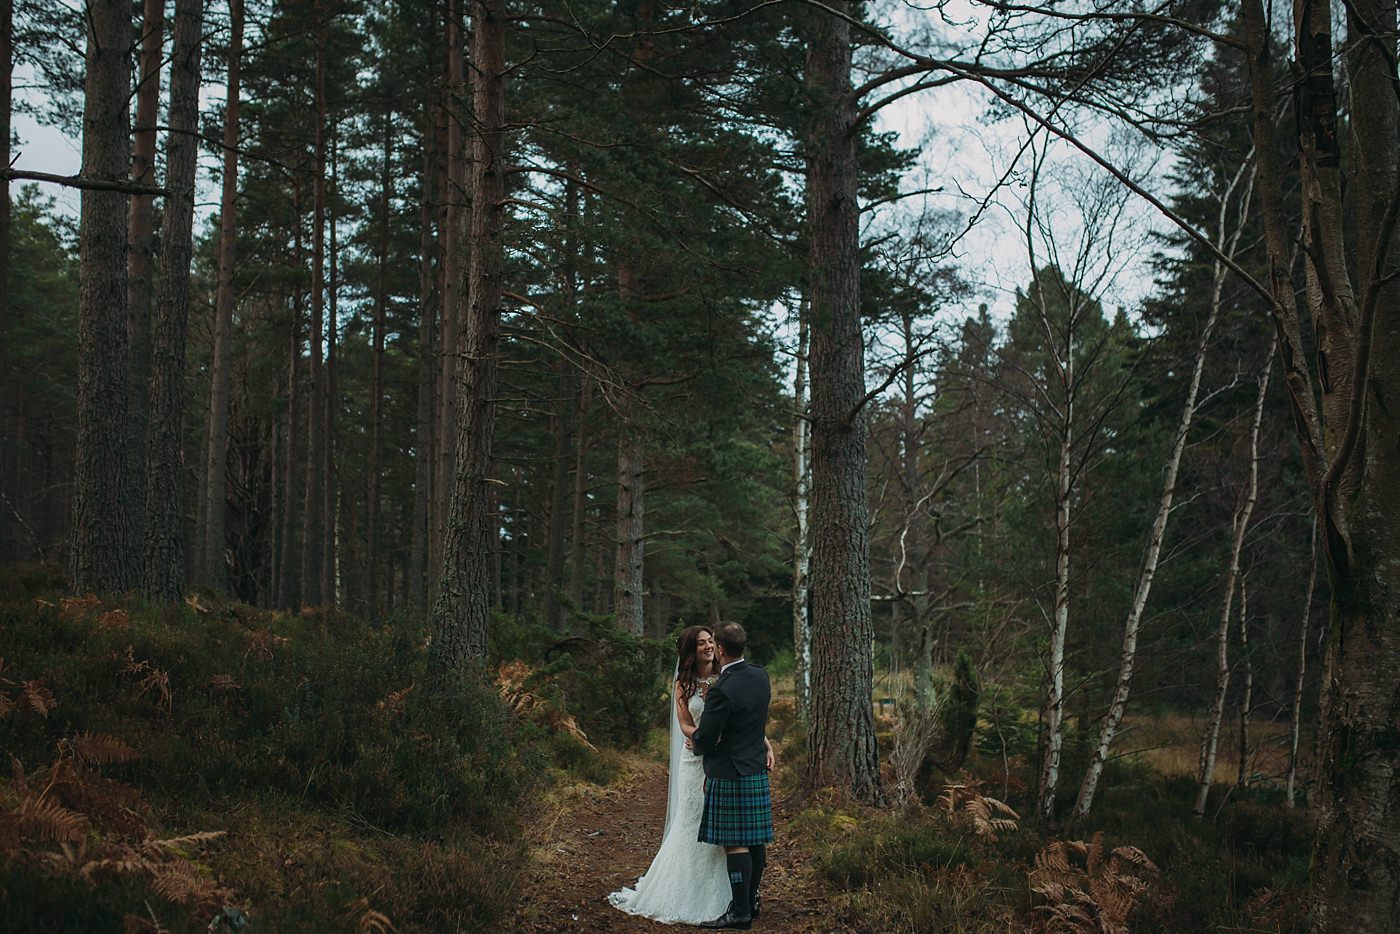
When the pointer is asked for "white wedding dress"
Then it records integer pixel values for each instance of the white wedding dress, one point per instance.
(688, 881)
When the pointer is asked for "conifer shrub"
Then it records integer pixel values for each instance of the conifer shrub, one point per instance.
(958, 713)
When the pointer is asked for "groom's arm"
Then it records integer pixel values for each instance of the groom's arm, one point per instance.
(712, 721)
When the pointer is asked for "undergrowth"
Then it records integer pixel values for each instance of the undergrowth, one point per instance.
(958, 857)
(176, 766)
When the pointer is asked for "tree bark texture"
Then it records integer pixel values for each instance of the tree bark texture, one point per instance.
(559, 489)
(288, 590)
(330, 488)
(425, 437)
(1054, 709)
(1357, 862)
(628, 583)
(455, 269)
(165, 534)
(578, 532)
(1295, 717)
(376, 418)
(842, 751)
(802, 533)
(141, 246)
(11, 539)
(460, 613)
(213, 569)
(102, 559)
(313, 515)
(1247, 694)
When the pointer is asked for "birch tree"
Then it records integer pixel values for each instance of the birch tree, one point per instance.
(1235, 200)
(1239, 525)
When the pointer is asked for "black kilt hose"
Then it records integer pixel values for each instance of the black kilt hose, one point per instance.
(738, 801)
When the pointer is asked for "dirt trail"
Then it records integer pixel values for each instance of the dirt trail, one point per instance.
(598, 840)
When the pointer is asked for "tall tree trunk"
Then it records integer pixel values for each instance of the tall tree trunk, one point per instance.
(141, 246)
(376, 404)
(1227, 243)
(102, 558)
(630, 537)
(1295, 718)
(911, 584)
(802, 540)
(1210, 741)
(11, 548)
(165, 535)
(559, 486)
(330, 493)
(1247, 694)
(842, 750)
(314, 509)
(1356, 870)
(213, 570)
(460, 614)
(288, 592)
(578, 534)
(454, 271)
(424, 438)
(1054, 709)
(565, 425)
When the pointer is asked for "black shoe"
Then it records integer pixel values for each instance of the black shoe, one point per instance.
(753, 909)
(731, 920)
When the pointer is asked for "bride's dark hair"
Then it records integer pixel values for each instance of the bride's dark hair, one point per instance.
(686, 661)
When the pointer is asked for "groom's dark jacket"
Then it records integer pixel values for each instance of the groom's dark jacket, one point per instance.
(730, 735)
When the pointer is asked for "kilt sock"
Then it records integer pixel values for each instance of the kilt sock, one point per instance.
(759, 857)
(740, 869)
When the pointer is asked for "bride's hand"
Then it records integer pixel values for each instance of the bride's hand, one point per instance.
(768, 757)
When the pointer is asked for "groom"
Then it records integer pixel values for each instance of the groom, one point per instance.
(738, 806)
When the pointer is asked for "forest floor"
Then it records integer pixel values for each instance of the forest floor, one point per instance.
(589, 841)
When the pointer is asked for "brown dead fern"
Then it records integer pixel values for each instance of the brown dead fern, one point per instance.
(1088, 889)
(984, 816)
(512, 681)
(366, 919)
(149, 679)
(99, 749)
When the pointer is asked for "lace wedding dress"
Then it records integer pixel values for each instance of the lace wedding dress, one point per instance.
(688, 881)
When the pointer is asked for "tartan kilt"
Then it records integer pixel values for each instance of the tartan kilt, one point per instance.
(738, 811)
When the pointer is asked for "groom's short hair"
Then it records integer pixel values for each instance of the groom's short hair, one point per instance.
(732, 638)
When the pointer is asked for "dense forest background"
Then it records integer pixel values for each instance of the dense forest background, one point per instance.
(525, 334)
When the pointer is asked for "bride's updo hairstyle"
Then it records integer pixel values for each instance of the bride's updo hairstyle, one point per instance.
(686, 661)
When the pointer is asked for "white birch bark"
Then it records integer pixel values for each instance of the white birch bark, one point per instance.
(802, 548)
(1296, 714)
(1247, 698)
(1211, 739)
(1055, 693)
(1228, 244)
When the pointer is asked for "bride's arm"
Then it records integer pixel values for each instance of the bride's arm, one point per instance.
(683, 713)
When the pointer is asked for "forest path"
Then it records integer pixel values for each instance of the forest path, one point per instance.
(595, 840)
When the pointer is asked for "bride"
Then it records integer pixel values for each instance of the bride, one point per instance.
(688, 881)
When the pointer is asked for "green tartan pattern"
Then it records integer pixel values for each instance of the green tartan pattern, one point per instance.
(738, 811)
